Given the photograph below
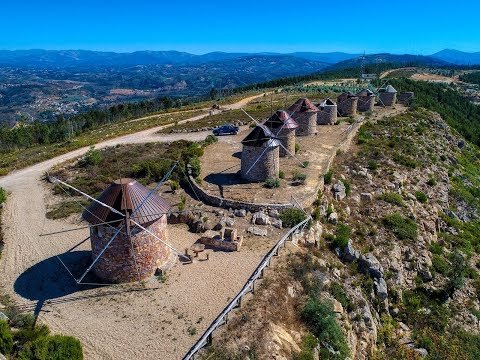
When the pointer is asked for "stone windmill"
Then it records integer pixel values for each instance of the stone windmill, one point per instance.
(128, 231)
(282, 124)
(305, 114)
(327, 112)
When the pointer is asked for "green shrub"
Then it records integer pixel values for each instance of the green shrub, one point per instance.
(321, 320)
(327, 178)
(299, 177)
(402, 227)
(210, 139)
(436, 248)
(440, 264)
(281, 174)
(372, 165)
(392, 198)
(6, 338)
(342, 235)
(3, 195)
(272, 183)
(174, 185)
(432, 181)
(292, 216)
(92, 156)
(421, 196)
(305, 164)
(56, 347)
(195, 167)
(348, 187)
(309, 343)
(297, 147)
(339, 294)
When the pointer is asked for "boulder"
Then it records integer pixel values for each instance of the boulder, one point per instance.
(277, 223)
(350, 254)
(425, 275)
(366, 197)
(257, 231)
(421, 351)
(273, 213)
(333, 218)
(381, 288)
(370, 264)
(240, 212)
(260, 218)
(339, 191)
(229, 222)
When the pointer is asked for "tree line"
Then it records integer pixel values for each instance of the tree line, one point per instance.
(459, 112)
(61, 129)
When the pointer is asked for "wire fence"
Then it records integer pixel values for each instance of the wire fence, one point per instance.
(249, 287)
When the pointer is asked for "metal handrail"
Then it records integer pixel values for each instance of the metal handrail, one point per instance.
(248, 287)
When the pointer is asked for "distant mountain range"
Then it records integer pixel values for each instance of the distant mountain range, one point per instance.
(80, 58)
(458, 57)
(88, 58)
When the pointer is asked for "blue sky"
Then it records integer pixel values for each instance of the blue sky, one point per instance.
(404, 26)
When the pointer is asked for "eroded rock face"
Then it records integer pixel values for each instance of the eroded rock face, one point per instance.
(339, 191)
(370, 264)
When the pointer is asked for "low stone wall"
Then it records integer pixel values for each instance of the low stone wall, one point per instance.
(258, 164)
(327, 116)
(307, 123)
(388, 98)
(366, 103)
(232, 204)
(117, 264)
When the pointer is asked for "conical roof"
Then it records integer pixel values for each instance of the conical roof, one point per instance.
(390, 89)
(326, 102)
(345, 96)
(365, 92)
(302, 105)
(126, 195)
(259, 136)
(281, 118)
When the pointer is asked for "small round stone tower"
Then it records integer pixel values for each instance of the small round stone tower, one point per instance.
(366, 100)
(134, 254)
(328, 112)
(388, 96)
(260, 155)
(283, 127)
(305, 114)
(347, 104)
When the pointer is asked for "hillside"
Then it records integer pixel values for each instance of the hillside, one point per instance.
(458, 57)
(390, 269)
(400, 60)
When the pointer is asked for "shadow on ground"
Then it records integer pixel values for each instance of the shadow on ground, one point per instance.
(48, 282)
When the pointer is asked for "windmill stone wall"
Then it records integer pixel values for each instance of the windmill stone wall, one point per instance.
(348, 107)
(307, 123)
(266, 167)
(366, 103)
(406, 97)
(328, 115)
(388, 98)
(117, 265)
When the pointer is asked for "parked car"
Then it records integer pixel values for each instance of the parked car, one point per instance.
(226, 129)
